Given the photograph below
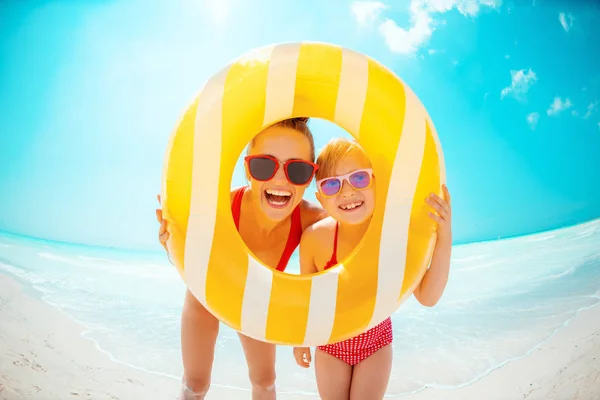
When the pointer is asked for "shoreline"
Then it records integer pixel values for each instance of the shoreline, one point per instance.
(46, 355)
(159, 252)
(503, 364)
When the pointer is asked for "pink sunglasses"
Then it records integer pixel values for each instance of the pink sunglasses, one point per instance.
(359, 180)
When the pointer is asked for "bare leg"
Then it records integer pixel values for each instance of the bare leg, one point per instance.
(199, 330)
(370, 377)
(260, 357)
(334, 376)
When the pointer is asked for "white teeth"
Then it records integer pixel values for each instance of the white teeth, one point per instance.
(274, 192)
(351, 206)
(278, 197)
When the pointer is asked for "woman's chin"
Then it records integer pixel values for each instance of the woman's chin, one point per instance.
(276, 211)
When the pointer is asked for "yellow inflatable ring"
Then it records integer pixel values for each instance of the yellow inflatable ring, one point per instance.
(260, 88)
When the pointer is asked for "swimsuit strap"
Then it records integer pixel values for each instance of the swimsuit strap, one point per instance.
(293, 239)
(333, 259)
(236, 206)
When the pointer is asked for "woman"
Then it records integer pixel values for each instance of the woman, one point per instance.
(279, 166)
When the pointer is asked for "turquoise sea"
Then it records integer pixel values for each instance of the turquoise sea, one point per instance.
(503, 300)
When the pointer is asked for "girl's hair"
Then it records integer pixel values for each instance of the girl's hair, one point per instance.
(333, 152)
(299, 124)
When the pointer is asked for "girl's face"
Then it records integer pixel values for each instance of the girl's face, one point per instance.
(279, 169)
(349, 195)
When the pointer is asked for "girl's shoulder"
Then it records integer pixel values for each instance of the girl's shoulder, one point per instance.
(311, 213)
(321, 230)
(317, 240)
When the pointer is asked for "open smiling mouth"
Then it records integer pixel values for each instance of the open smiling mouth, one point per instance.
(278, 198)
(351, 206)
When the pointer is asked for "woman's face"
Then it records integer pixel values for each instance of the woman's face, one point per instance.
(266, 165)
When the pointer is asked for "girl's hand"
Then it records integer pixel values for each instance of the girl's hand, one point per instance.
(302, 356)
(443, 213)
(163, 234)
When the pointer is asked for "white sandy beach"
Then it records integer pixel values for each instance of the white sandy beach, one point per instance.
(43, 356)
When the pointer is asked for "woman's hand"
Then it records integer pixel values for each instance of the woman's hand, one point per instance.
(163, 234)
(442, 214)
(302, 356)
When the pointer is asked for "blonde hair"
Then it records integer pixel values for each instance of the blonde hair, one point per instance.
(299, 124)
(333, 152)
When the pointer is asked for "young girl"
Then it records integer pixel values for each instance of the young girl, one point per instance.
(359, 368)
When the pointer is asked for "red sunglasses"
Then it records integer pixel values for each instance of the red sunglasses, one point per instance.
(264, 167)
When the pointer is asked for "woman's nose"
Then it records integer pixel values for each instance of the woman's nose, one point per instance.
(280, 175)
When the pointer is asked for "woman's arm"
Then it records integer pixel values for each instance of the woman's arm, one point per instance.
(302, 355)
(433, 284)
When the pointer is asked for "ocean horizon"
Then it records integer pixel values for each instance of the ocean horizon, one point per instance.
(504, 299)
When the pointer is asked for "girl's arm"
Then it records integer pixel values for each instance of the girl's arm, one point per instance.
(432, 286)
(307, 266)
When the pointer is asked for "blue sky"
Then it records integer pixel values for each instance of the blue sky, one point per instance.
(92, 89)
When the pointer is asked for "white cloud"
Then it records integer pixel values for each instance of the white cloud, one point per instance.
(422, 25)
(521, 81)
(400, 40)
(465, 7)
(367, 12)
(532, 120)
(591, 109)
(558, 105)
(566, 20)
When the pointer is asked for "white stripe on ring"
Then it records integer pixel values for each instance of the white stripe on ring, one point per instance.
(205, 184)
(281, 82)
(280, 89)
(257, 297)
(352, 93)
(321, 311)
(394, 232)
(440, 151)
